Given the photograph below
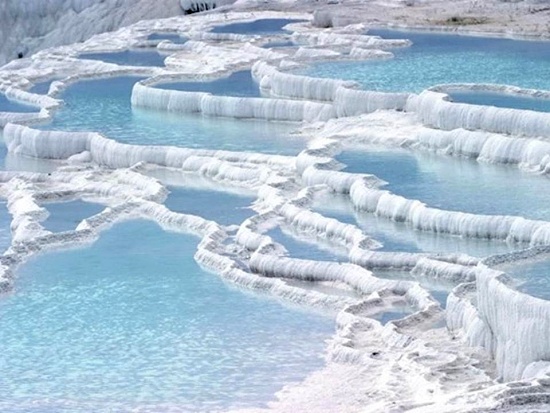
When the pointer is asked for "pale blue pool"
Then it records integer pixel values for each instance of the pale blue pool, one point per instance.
(386, 316)
(302, 247)
(7, 105)
(103, 105)
(5, 222)
(452, 183)
(277, 44)
(400, 237)
(65, 216)
(133, 324)
(438, 289)
(446, 58)
(173, 37)
(501, 100)
(42, 88)
(239, 84)
(223, 207)
(128, 58)
(260, 26)
(533, 276)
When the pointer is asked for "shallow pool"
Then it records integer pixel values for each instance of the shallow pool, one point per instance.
(173, 37)
(133, 324)
(65, 216)
(128, 58)
(501, 100)
(103, 105)
(260, 26)
(239, 84)
(439, 289)
(277, 44)
(302, 247)
(446, 58)
(223, 207)
(400, 236)
(42, 88)
(8, 105)
(532, 276)
(5, 222)
(452, 183)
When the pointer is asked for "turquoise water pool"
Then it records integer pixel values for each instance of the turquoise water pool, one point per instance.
(42, 88)
(451, 183)
(103, 105)
(532, 276)
(501, 100)
(173, 37)
(277, 44)
(260, 26)
(65, 216)
(238, 84)
(439, 289)
(5, 222)
(305, 247)
(7, 105)
(446, 58)
(128, 58)
(400, 237)
(223, 207)
(132, 323)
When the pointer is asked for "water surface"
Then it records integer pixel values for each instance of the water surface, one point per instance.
(173, 37)
(533, 276)
(5, 222)
(401, 237)
(260, 26)
(501, 100)
(133, 324)
(223, 207)
(65, 216)
(238, 84)
(301, 247)
(8, 105)
(103, 105)
(452, 183)
(446, 58)
(128, 58)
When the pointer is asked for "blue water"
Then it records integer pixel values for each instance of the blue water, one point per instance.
(260, 26)
(65, 216)
(386, 316)
(276, 44)
(239, 84)
(532, 276)
(223, 207)
(133, 324)
(128, 58)
(303, 248)
(456, 183)
(439, 289)
(42, 88)
(400, 237)
(103, 105)
(446, 58)
(501, 100)
(7, 105)
(5, 222)
(174, 38)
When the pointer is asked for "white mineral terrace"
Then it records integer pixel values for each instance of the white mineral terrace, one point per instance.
(494, 351)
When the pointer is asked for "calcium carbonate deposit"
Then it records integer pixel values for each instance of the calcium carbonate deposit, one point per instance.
(192, 221)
